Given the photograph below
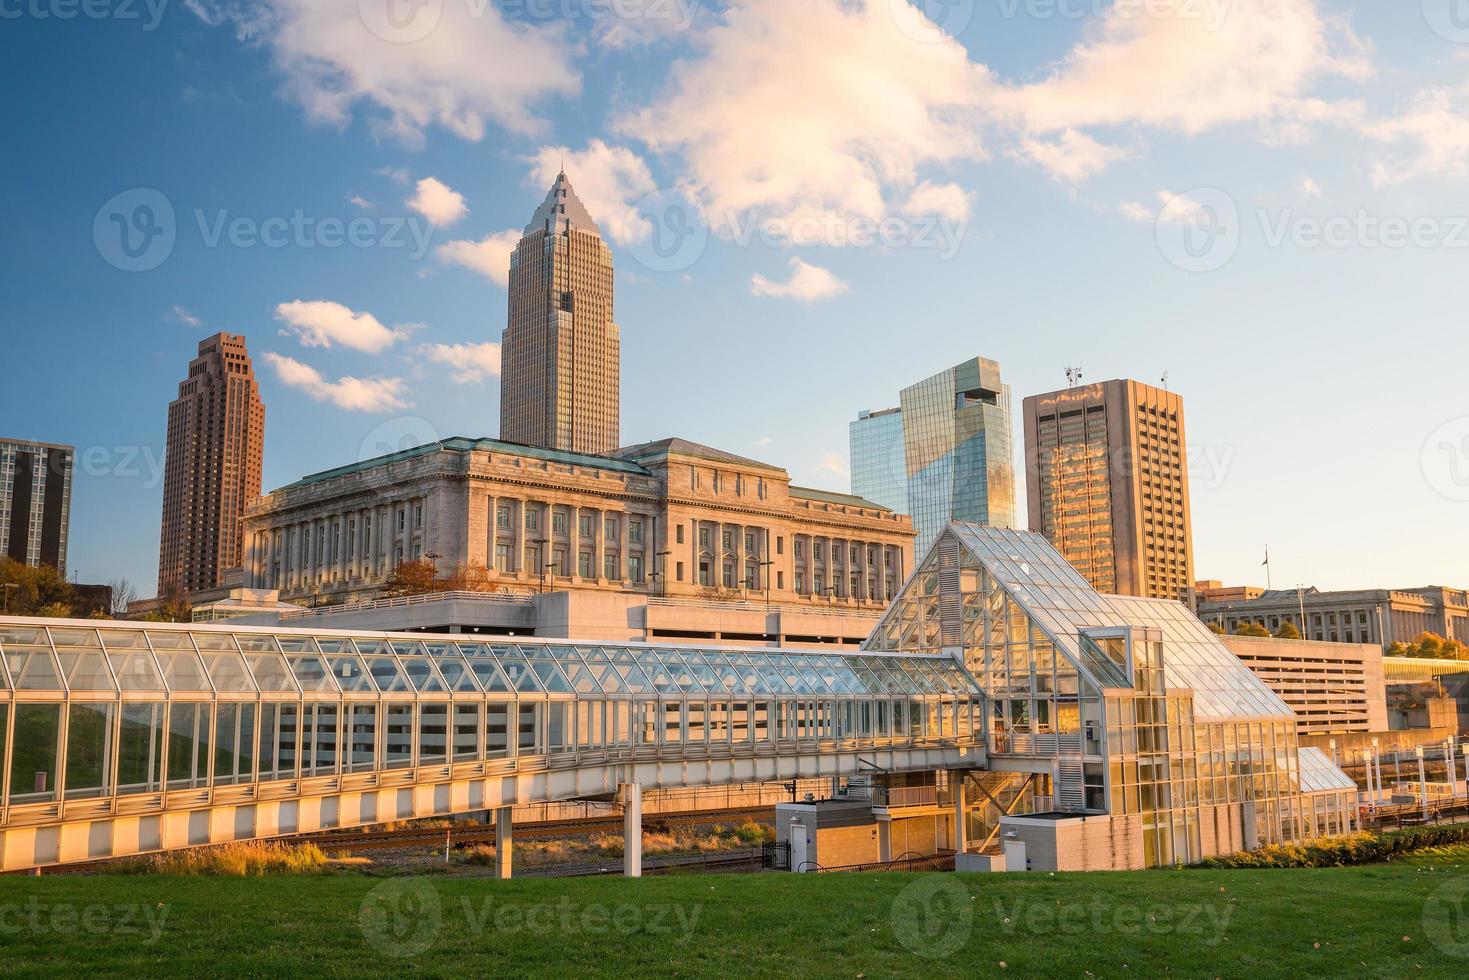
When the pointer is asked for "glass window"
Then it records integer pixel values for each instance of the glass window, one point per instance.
(89, 750)
(29, 658)
(132, 663)
(82, 662)
(188, 745)
(319, 738)
(33, 758)
(497, 722)
(234, 744)
(530, 728)
(140, 749)
(398, 738)
(362, 738)
(466, 731)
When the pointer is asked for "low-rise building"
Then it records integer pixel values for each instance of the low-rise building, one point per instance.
(1379, 616)
(670, 519)
(1333, 688)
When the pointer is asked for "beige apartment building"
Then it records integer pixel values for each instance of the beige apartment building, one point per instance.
(1107, 482)
(561, 373)
(672, 520)
(216, 440)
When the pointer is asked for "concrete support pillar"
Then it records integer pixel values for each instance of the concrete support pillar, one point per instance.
(632, 829)
(503, 843)
(884, 840)
(961, 824)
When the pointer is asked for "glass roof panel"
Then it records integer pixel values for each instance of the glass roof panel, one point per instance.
(182, 668)
(387, 675)
(351, 674)
(297, 644)
(551, 677)
(228, 672)
(335, 645)
(270, 671)
(83, 663)
(455, 671)
(517, 670)
(312, 673)
(132, 663)
(423, 675)
(29, 659)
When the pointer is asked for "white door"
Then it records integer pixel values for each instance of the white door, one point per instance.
(798, 848)
(1015, 855)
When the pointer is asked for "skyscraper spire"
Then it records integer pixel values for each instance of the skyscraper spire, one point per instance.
(561, 351)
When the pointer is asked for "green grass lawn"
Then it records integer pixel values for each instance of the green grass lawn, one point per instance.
(1366, 921)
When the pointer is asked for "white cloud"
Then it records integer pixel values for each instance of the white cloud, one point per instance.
(763, 441)
(1135, 211)
(1178, 208)
(610, 180)
(1071, 156)
(469, 363)
(186, 318)
(357, 200)
(1310, 187)
(490, 256)
(322, 323)
(437, 202)
(948, 200)
(461, 66)
(347, 393)
(834, 465)
(820, 106)
(1186, 66)
(1436, 123)
(396, 174)
(807, 284)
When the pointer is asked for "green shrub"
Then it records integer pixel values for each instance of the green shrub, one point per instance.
(249, 859)
(1339, 852)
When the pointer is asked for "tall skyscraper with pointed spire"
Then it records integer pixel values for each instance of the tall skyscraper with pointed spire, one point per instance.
(216, 439)
(560, 385)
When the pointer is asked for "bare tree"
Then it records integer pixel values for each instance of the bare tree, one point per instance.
(123, 595)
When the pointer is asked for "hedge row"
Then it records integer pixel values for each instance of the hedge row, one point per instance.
(1338, 852)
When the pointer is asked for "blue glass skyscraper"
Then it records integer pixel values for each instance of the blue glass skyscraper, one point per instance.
(946, 453)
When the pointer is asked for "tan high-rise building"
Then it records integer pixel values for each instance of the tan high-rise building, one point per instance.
(561, 374)
(1107, 482)
(216, 437)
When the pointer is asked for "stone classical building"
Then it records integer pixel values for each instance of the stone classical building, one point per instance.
(1107, 484)
(216, 441)
(1378, 616)
(671, 519)
(561, 376)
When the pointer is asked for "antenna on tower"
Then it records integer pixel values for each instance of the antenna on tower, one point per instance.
(1165, 380)
(1073, 376)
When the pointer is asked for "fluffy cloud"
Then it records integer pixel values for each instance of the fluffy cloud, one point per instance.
(322, 323)
(186, 318)
(1310, 188)
(1135, 211)
(1071, 156)
(812, 107)
(437, 202)
(1188, 66)
(807, 284)
(469, 363)
(949, 200)
(347, 393)
(610, 180)
(457, 65)
(1435, 123)
(490, 256)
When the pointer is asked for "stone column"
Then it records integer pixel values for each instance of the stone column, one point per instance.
(632, 829)
(503, 843)
(961, 826)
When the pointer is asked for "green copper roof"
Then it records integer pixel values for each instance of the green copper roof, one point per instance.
(832, 497)
(461, 444)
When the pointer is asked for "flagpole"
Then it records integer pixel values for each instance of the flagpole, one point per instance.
(1269, 584)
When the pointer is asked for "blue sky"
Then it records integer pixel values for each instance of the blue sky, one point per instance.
(1031, 174)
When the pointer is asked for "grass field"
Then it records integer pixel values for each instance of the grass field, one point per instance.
(1395, 920)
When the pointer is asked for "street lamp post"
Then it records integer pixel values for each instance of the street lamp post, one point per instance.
(541, 559)
(662, 575)
(1371, 793)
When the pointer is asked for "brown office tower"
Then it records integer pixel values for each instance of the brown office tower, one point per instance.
(1107, 482)
(560, 373)
(216, 435)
